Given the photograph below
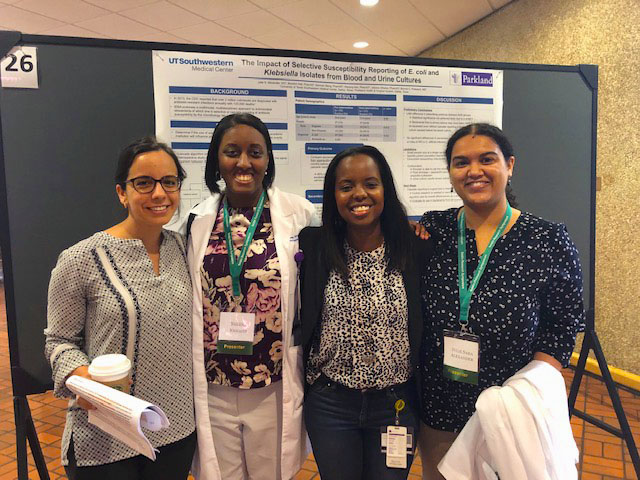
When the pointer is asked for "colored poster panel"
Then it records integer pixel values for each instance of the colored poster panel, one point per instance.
(316, 108)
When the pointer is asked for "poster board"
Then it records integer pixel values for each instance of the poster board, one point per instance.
(59, 145)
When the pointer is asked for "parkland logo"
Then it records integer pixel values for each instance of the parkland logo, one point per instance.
(474, 79)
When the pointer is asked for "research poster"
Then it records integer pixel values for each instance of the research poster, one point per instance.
(316, 108)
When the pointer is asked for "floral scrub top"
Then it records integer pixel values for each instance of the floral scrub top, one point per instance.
(260, 288)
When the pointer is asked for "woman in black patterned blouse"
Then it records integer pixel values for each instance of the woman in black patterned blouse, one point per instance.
(361, 320)
(482, 327)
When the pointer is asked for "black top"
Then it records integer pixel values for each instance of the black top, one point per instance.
(528, 300)
(314, 274)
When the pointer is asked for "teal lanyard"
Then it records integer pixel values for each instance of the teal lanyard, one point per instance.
(465, 293)
(235, 264)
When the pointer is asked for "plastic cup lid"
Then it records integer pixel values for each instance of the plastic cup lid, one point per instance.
(110, 365)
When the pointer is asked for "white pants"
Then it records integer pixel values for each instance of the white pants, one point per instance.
(247, 431)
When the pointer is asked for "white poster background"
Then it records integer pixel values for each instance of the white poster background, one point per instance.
(316, 108)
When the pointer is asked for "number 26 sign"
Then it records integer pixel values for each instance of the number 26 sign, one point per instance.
(19, 68)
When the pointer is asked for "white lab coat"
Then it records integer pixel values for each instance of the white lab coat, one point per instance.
(289, 214)
(520, 430)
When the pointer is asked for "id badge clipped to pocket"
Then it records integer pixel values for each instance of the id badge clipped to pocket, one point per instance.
(396, 446)
(396, 441)
(461, 356)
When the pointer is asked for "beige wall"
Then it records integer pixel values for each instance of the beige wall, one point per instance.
(606, 33)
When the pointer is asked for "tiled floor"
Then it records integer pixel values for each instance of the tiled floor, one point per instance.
(602, 456)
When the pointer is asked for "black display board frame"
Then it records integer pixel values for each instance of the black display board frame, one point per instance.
(27, 381)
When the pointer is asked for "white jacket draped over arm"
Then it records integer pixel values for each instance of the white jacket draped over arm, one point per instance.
(519, 431)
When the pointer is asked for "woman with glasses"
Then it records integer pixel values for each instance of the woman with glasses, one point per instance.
(127, 290)
(248, 373)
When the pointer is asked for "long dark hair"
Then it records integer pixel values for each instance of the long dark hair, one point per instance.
(212, 168)
(393, 220)
(495, 134)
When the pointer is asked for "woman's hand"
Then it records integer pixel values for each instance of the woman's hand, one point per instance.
(545, 357)
(83, 371)
(419, 230)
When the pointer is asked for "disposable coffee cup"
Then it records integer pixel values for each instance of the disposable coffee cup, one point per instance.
(111, 370)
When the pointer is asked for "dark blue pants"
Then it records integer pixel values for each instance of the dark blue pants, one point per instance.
(344, 428)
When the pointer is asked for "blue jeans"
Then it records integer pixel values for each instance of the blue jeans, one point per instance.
(344, 428)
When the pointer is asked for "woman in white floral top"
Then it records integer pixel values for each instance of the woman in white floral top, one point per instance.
(247, 372)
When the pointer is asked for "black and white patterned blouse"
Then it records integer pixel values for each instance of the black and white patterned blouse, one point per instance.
(363, 340)
(89, 311)
(528, 300)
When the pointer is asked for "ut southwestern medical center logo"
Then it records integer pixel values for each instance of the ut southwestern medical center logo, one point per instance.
(474, 79)
(207, 64)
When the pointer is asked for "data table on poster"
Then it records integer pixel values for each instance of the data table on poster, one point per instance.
(338, 123)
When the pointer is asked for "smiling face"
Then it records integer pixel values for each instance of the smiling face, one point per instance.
(243, 159)
(359, 192)
(157, 207)
(479, 172)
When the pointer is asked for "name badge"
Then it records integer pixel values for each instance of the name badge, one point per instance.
(397, 445)
(236, 333)
(461, 356)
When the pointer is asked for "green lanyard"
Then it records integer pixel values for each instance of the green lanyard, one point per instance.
(465, 293)
(235, 264)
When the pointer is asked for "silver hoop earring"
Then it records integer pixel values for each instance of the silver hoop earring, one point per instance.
(509, 181)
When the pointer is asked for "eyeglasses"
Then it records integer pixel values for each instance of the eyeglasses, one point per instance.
(146, 184)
